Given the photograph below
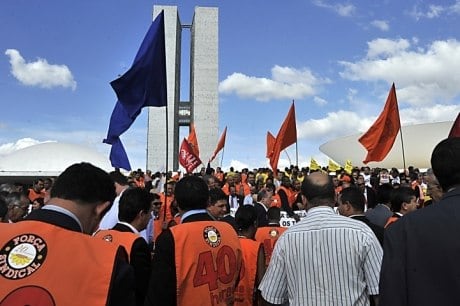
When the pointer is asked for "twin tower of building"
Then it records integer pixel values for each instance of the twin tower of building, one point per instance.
(202, 107)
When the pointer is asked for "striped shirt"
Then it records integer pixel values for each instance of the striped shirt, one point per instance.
(325, 259)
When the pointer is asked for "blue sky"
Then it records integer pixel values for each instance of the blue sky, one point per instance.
(336, 59)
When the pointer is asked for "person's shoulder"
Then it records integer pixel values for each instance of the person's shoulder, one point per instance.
(376, 209)
(197, 217)
(140, 244)
(257, 205)
(122, 228)
(354, 225)
(352, 222)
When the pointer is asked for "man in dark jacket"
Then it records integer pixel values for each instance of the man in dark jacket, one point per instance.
(351, 204)
(134, 213)
(420, 262)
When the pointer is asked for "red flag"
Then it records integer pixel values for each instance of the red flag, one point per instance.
(187, 158)
(380, 137)
(193, 141)
(287, 135)
(220, 144)
(455, 130)
(270, 143)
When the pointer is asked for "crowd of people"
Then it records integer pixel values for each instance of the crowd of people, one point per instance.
(367, 237)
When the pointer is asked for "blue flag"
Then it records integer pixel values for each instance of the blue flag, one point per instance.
(144, 84)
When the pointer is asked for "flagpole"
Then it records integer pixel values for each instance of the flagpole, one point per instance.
(401, 134)
(296, 148)
(167, 163)
(289, 158)
(402, 146)
(147, 143)
(296, 154)
(222, 157)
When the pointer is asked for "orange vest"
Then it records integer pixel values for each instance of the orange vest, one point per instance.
(37, 262)
(219, 176)
(125, 239)
(268, 237)
(244, 293)
(33, 195)
(157, 228)
(208, 261)
(166, 205)
(225, 189)
(291, 196)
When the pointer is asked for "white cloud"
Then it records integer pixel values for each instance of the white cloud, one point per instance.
(40, 73)
(335, 124)
(381, 24)
(422, 76)
(352, 94)
(434, 11)
(8, 148)
(342, 9)
(238, 165)
(319, 101)
(455, 8)
(286, 83)
(430, 114)
(382, 47)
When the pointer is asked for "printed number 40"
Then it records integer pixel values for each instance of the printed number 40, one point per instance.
(206, 272)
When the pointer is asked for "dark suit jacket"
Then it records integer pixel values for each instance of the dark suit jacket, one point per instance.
(285, 203)
(230, 220)
(122, 289)
(261, 214)
(378, 231)
(140, 260)
(421, 256)
(162, 285)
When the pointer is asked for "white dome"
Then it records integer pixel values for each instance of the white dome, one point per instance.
(419, 142)
(49, 158)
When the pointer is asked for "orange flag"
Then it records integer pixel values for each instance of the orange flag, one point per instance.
(220, 144)
(193, 141)
(287, 135)
(455, 130)
(380, 137)
(270, 143)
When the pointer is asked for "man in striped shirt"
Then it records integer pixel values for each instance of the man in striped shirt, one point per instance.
(325, 259)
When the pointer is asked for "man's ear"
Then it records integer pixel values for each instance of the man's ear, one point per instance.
(101, 209)
(404, 205)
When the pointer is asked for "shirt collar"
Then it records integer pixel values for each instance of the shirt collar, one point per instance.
(64, 211)
(321, 209)
(130, 226)
(192, 212)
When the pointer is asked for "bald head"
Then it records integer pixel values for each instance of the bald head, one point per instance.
(318, 189)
